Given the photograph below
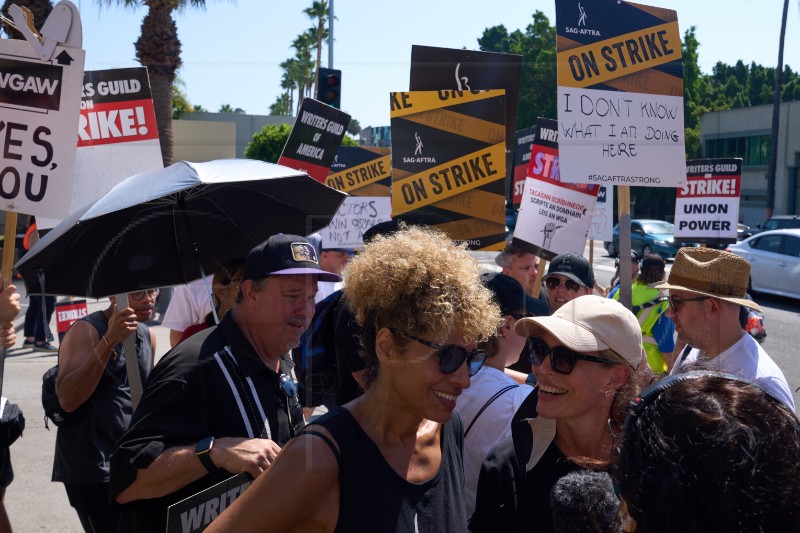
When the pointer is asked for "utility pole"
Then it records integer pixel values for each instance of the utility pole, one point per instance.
(776, 115)
(330, 34)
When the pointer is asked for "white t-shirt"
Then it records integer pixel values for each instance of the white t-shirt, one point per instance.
(492, 426)
(189, 305)
(746, 359)
(325, 289)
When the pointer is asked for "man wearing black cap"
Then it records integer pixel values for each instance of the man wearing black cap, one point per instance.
(223, 401)
(568, 276)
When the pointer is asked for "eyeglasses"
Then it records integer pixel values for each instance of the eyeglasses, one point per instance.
(451, 356)
(562, 359)
(294, 409)
(675, 303)
(553, 283)
(139, 295)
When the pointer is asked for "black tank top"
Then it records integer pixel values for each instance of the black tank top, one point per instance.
(373, 497)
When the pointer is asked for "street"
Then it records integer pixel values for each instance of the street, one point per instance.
(34, 503)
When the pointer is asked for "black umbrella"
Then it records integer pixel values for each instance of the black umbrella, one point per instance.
(169, 226)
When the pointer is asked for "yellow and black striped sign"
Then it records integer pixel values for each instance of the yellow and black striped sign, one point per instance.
(361, 171)
(449, 163)
(592, 53)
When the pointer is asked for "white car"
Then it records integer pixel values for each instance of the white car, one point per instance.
(774, 261)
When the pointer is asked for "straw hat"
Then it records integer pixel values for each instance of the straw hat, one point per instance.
(710, 272)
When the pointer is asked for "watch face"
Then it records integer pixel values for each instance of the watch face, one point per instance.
(203, 445)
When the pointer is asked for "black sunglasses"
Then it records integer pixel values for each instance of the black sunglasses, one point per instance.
(675, 303)
(562, 359)
(553, 283)
(451, 356)
(295, 410)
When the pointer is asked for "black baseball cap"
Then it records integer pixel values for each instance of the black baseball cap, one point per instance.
(509, 294)
(285, 255)
(574, 267)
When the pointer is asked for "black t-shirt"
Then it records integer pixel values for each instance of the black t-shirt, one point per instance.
(188, 397)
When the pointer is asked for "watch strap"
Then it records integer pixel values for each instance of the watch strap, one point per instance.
(203, 452)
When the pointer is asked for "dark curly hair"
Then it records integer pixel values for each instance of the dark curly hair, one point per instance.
(711, 453)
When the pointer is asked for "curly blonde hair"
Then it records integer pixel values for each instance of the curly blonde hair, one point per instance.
(418, 281)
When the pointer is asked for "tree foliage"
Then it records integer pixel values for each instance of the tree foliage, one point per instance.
(537, 46)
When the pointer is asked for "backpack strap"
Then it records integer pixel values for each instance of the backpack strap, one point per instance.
(685, 353)
(487, 404)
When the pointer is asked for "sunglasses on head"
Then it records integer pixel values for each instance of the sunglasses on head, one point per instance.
(552, 283)
(451, 356)
(295, 410)
(562, 359)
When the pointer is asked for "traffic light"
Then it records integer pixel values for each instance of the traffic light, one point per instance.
(329, 88)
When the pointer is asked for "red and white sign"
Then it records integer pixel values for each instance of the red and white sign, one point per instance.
(554, 216)
(67, 313)
(707, 207)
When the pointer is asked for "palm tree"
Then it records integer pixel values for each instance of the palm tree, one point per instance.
(318, 12)
(776, 114)
(159, 49)
(302, 71)
(39, 8)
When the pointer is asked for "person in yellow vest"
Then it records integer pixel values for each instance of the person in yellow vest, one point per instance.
(649, 306)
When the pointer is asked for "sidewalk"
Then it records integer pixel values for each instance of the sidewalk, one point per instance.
(33, 502)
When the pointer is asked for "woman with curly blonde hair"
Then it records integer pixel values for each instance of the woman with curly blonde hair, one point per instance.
(389, 460)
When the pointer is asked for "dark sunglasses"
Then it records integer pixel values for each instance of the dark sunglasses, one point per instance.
(562, 359)
(451, 356)
(295, 410)
(676, 303)
(553, 283)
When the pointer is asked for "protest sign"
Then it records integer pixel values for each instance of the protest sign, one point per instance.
(522, 158)
(554, 217)
(448, 163)
(434, 69)
(196, 512)
(620, 94)
(39, 105)
(707, 207)
(315, 138)
(117, 134)
(355, 216)
(602, 226)
(67, 313)
(361, 171)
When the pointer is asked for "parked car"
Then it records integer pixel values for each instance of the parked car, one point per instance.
(776, 222)
(649, 236)
(774, 261)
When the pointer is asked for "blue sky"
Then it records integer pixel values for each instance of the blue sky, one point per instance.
(231, 51)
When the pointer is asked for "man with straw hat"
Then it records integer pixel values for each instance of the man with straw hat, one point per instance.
(706, 289)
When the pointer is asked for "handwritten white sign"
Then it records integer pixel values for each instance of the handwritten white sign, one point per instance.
(356, 215)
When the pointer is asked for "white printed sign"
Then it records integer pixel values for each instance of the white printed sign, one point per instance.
(356, 215)
(117, 134)
(39, 106)
(602, 226)
(707, 207)
(554, 219)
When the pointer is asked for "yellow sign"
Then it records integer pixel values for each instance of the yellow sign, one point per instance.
(361, 175)
(619, 56)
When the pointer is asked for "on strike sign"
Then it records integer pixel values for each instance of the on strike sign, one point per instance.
(39, 105)
(707, 207)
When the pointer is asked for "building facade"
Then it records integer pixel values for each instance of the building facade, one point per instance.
(746, 133)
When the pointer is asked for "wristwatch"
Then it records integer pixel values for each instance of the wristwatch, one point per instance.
(203, 452)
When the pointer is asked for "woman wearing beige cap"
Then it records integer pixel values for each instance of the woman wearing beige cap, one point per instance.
(585, 356)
